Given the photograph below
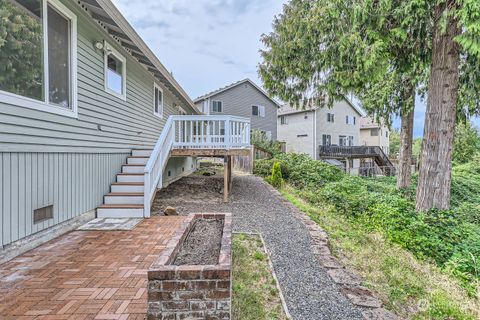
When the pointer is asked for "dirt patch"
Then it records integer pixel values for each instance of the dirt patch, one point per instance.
(202, 244)
(196, 187)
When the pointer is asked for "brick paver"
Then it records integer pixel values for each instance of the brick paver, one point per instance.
(85, 274)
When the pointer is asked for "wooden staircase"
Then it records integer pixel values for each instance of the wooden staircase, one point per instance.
(126, 197)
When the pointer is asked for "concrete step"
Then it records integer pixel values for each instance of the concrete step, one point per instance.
(120, 211)
(130, 177)
(142, 152)
(133, 168)
(137, 160)
(127, 187)
(124, 198)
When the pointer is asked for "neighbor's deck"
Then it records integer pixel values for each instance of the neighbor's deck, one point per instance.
(85, 274)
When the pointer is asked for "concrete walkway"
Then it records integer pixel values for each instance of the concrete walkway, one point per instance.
(309, 291)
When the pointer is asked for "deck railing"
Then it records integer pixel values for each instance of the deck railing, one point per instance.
(192, 132)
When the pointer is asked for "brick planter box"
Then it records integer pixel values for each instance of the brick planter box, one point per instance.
(191, 291)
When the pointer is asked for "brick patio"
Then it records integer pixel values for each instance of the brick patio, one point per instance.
(85, 274)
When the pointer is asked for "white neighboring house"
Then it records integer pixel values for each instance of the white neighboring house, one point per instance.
(304, 131)
(373, 134)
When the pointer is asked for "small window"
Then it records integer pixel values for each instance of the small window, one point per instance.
(217, 106)
(350, 141)
(354, 120)
(326, 139)
(115, 72)
(330, 117)
(283, 120)
(255, 111)
(374, 132)
(342, 141)
(347, 119)
(305, 115)
(157, 100)
(386, 134)
(258, 111)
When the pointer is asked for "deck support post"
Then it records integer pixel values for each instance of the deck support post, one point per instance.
(225, 179)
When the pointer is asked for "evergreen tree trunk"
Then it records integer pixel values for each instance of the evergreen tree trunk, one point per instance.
(404, 174)
(434, 181)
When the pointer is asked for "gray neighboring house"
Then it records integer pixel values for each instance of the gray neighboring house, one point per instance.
(244, 99)
(92, 93)
(304, 131)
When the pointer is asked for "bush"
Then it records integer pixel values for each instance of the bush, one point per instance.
(449, 238)
(276, 178)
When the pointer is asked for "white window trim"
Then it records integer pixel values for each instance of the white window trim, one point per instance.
(45, 106)
(111, 50)
(181, 110)
(217, 101)
(160, 107)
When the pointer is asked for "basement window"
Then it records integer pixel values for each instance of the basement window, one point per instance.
(42, 214)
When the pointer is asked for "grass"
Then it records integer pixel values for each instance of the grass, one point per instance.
(255, 295)
(410, 288)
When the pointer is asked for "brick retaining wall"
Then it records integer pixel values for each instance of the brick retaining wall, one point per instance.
(191, 291)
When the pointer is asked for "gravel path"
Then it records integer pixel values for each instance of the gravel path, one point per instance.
(309, 291)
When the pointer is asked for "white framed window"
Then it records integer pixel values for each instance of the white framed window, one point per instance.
(115, 72)
(342, 141)
(258, 111)
(283, 120)
(350, 141)
(217, 106)
(326, 139)
(330, 117)
(157, 100)
(40, 74)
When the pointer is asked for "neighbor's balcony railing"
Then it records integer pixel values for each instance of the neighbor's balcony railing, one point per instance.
(211, 132)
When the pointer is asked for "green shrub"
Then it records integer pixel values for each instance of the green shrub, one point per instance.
(450, 238)
(276, 179)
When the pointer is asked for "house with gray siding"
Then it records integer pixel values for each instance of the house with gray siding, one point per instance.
(304, 131)
(83, 102)
(245, 99)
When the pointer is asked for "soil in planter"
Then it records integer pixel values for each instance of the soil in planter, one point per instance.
(202, 244)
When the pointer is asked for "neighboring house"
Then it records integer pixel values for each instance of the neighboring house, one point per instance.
(304, 131)
(76, 97)
(373, 134)
(245, 99)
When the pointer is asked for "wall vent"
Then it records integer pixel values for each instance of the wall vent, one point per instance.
(42, 214)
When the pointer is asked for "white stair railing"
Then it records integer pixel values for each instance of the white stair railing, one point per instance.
(192, 132)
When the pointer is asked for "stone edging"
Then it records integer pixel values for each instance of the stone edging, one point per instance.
(349, 282)
(274, 275)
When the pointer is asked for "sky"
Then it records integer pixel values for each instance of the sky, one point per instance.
(209, 44)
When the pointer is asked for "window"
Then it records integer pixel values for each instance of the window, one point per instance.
(386, 134)
(350, 120)
(217, 106)
(330, 117)
(305, 115)
(326, 139)
(342, 141)
(283, 120)
(115, 72)
(157, 100)
(258, 111)
(350, 141)
(374, 132)
(41, 72)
